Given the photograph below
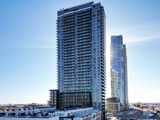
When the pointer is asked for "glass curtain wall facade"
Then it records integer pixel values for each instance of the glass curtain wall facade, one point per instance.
(125, 76)
(81, 56)
(119, 80)
(54, 99)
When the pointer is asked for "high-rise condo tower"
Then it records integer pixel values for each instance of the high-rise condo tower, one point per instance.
(81, 57)
(119, 78)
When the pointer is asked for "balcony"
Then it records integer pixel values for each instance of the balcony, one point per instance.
(71, 68)
(68, 35)
(84, 19)
(68, 29)
(83, 52)
(66, 55)
(68, 26)
(84, 70)
(80, 80)
(84, 26)
(68, 18)
(68, 46)
(68, 77)
(69, 22)
(83, 85)
(83, 49)
(68, 32)
(82, 64)
(83, 29)
(83, 73)
(84, 56)
(84, 67)
(84, 59)
(69, 57)
(84, 46)
(83, 43)
(67, 66)
(84, 37)
(69, 60)
(83, 14)
(68, 63)
(68, 80)
(68, 43)
(68, 38)
(69, 52)
(83, 34)
(69, 72)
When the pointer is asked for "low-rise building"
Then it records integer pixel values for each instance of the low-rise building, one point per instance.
(113, 105)
(21, 107)
(52, 114)
(142, 106)
(54, 98)
(4, 118)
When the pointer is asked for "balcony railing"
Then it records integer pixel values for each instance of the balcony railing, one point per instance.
(84, 37)
(68, 26)
(84, 46)
(83, 43)
(83, 14)
(68, 43)
(83, 52)
(68, 40)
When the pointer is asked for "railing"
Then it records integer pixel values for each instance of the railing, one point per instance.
(68, 43)
(84, 43)
(84, 46)
(83, 52)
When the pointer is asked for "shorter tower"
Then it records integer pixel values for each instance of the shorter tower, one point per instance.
(113, 105)
(54, 98)
(119, 78)
(125, 75)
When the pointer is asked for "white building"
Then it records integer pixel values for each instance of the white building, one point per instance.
(114, 83)
(4, 118)
(52, 114)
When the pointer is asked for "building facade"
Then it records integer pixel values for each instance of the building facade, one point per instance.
(113, 105)
(119, 78)
(81, 56)
(54, 98)
(125, 75)
(52, 114)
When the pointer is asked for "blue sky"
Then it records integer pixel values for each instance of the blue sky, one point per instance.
(28, 47)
